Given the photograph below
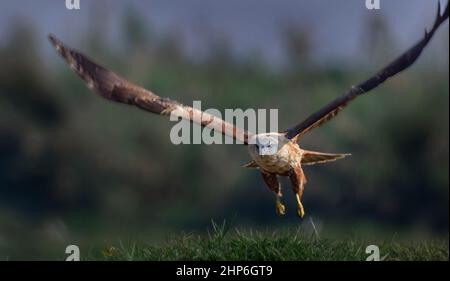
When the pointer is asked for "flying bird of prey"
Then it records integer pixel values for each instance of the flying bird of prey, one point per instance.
(287, 158)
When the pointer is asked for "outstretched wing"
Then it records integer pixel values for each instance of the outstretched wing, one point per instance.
(401, 63)
(113, 87)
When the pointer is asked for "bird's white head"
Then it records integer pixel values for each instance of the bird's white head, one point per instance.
(266, 144)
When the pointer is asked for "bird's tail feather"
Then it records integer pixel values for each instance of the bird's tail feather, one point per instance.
(313, 157)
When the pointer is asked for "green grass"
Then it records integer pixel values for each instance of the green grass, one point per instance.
(224, 244)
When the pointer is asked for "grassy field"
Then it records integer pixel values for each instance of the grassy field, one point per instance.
(224, 244)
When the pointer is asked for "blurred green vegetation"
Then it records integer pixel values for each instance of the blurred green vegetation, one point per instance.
(77, 169)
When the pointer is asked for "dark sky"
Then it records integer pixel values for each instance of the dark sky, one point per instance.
(250, 25)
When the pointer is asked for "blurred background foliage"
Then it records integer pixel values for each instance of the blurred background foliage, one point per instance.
(75, 169)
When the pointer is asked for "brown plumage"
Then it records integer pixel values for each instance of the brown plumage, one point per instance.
(113, 87)
(287, 157)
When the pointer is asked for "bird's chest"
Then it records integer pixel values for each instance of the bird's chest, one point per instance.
(280, 163)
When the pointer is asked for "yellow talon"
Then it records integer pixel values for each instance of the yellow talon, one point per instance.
(280, 209)
(300, 209)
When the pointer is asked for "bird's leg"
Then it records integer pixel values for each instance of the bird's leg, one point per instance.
(300, 209)
(298, 180)
(272, 182)
(279, 207)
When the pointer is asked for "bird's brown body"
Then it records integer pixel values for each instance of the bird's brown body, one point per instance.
(275, 155)
(282, 161)
(285, 161)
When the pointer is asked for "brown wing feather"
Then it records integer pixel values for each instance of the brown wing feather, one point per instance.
(113, 87)
(401, 63)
